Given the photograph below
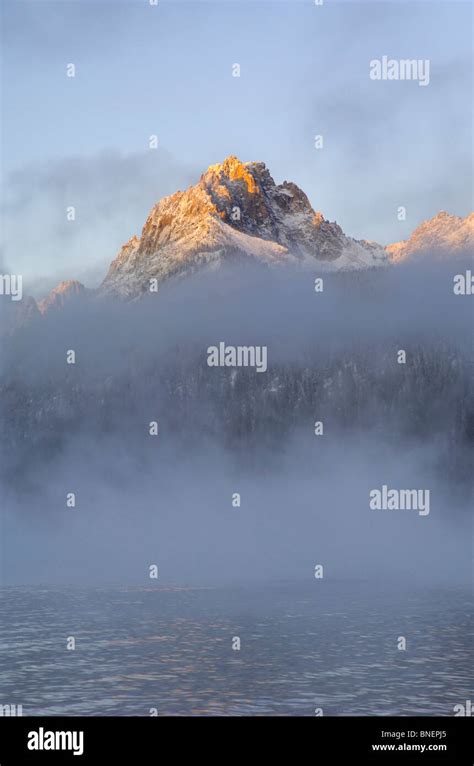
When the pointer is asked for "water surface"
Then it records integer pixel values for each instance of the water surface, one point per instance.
(329, 646)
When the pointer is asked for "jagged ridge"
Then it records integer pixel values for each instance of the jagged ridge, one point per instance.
(236, 208)
(444, 232)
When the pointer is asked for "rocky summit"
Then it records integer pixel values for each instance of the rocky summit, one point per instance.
(444, 233)
(235, 210)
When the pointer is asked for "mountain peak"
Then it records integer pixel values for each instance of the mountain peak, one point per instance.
(233, 169)
(235, 210)
(443, 232)
(62, 293)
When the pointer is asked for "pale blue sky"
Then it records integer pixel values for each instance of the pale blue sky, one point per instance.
(167, 70)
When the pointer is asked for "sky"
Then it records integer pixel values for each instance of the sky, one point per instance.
(166, 70)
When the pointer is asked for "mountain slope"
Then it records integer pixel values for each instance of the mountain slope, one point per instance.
(235, 210)
(443, 233)
(65, 292)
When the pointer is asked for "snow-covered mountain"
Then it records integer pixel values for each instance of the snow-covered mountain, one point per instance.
(444, 233)
(235, 210)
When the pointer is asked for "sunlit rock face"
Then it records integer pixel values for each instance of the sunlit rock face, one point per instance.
(63, 293)
(235, 210)
(444, 233)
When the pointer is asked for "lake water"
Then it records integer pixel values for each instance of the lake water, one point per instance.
(332, 646)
